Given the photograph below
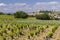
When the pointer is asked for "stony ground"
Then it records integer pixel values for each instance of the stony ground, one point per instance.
(42, 35)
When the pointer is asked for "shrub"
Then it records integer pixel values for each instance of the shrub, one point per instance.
(31, 34)
(42, 29)
(20, 14)
(43, 16)
(50, 34)
(47, 26)
(21, 32)
(54, 29)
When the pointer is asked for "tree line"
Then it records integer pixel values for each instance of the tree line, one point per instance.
(22, 14)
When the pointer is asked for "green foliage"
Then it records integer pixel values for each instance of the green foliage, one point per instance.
(20, 14)
(43, 16)
(47, 26)
(1, 13)
(21, 28)
(31, 34)
(50, 34)
(32, 27)
(21, 32)
(46, 11)
(42, 29)
(54, 29)
(9, 14)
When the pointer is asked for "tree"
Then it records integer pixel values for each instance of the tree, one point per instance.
(9, 14)
(43, 16)
(20, 14)
(1, 13)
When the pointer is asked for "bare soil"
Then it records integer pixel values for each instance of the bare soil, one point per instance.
(56, 35)
(43, 34)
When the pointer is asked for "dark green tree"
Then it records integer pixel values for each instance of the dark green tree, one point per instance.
(20, 14)
(1, 13)
(9, 14)
(43, 16)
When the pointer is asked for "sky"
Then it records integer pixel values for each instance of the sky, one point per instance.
(8, 6)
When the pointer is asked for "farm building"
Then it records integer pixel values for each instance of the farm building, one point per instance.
(51, 13)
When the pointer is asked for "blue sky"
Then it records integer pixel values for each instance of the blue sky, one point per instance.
(25, 1)
(28, 5)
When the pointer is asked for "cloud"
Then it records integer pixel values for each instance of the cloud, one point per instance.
(2, 4)
(47, 5)
(13, 7)
(53, 2)
(20, 4)
(17, 4)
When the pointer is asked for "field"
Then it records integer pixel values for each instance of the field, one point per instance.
(28, 29)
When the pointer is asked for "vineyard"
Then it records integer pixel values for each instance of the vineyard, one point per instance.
(28, 29)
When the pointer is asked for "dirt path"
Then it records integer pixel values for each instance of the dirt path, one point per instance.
(44, 34)
(56, 35)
